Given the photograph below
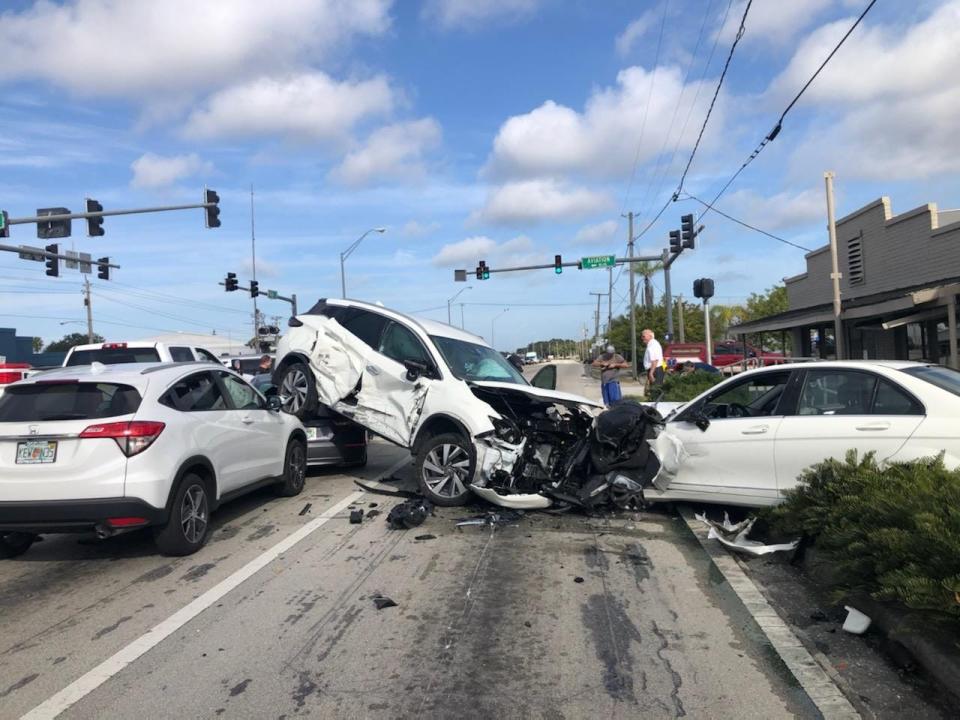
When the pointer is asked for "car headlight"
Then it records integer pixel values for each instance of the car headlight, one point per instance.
(506, 430)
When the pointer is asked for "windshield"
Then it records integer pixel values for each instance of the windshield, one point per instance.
(67, 401)
(113, 356)
(944, 378)
(470, 361)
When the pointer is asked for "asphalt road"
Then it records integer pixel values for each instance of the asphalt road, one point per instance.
(549, 617)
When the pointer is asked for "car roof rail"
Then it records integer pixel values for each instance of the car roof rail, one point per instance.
(167, 365)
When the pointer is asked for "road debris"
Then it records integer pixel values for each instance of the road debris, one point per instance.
(578, 579)
(734, 536)
(492, 518)
(356, 517)
(306, 509)
(425, 537)
(409, 514)
(856, 623)
(382, 601)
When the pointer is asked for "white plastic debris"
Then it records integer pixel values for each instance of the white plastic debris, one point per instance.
(734, 536)
(856, 622)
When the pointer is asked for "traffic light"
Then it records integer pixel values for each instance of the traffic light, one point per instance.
(94, 224)
(483, 272)
(4, 225)
(103, 267)
(703, 288)
(687, 232)
(254, 288)
(230, 284)
(53, 263)
(675, 247)
(557, 264)
(211, 200)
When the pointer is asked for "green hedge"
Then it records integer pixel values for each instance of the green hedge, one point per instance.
(679, 387)
(892, 530)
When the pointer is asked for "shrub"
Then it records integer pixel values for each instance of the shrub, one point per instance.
(893, 530)
(680, 387)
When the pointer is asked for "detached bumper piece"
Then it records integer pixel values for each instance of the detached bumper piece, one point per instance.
(106, 515)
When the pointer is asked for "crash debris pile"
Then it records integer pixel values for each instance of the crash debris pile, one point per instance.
(734, 536)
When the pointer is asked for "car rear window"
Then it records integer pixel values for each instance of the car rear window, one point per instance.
(113, 356)
(37, 402)
(944, 378)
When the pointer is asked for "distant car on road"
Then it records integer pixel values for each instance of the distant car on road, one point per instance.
(120, 447)
(725, 352)
(114, 353)
(530, 358)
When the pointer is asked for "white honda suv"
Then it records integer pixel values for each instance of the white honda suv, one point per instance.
(112, 448)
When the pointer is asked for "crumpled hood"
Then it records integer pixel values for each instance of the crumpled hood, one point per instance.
(541, 393)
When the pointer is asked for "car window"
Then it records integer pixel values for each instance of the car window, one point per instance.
(194, 393)
(67, 401)
(242, 396)
(113, 356)
(400, 344)
(470, 361)
(891, 400)
(836, 392)
(942, 377)
(365, 325)
(207, 355)
(754, 396)
(181, 354)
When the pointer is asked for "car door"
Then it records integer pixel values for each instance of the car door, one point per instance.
(843, 409)
(727, 442)
(201, 399)
(259, 431)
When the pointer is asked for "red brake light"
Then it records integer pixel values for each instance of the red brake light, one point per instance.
(125, 522)
(10, 377)
(131, 437)
(113, 346)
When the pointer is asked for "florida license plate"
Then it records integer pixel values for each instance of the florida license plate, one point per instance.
(36, 452)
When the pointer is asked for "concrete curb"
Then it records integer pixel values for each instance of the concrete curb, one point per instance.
(816, 682)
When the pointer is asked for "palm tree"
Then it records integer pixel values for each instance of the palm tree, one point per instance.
(647, 269)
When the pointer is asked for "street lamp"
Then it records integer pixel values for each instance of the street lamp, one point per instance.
(492, 328)
(346, 253)
(449, 320)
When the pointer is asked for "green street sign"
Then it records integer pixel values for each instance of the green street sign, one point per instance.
(272, 294)
(598, 261)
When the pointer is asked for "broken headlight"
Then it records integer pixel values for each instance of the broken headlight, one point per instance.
(506, 430)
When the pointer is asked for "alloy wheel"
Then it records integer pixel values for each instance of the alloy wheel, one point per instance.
(193, 514)
(294, 386)
(297, 467)
(445, 470)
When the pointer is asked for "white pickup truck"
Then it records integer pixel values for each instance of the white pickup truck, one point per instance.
(113, 353)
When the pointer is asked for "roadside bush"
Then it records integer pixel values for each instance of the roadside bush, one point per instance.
(892, 530)
(679, 387)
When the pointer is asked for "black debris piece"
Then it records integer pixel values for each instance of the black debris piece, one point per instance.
(818, 616)
(373, 504)
(528, 624)
(306, 509)
(578, 579)
(425, 537)
(356, 517)
(372, 513)
(382, 601)
(409, 514)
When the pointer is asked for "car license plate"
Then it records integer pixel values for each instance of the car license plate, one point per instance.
(36, 452)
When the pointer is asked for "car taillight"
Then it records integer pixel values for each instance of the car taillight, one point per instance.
(114, 346)
(10, 377)
(131, 437)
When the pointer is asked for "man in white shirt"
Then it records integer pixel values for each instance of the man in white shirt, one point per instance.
(652, 358)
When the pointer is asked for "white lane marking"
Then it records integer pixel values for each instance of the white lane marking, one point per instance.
(93, 679)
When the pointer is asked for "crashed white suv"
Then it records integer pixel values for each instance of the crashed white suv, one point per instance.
(470, 419)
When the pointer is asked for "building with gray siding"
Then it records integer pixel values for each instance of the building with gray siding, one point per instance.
(900, 278)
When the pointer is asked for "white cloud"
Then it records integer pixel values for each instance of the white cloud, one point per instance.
(464, 251)
(634, 31)
(602, 140)
(772, 21)
(887, 103)
(142, 48)
(306, 106)
(599, 233)
(265, 269)
(155, 171)
(449, 14)
(415, 228)
(530, 201)
(775, 212)
(392, 152)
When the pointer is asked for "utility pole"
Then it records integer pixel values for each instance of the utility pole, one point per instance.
(609, 300)
(683, 337)
(462, 327)
(253, 259)
(706, 330)
(597, 317)
(86, 301)
(835, 275)
(633, 309)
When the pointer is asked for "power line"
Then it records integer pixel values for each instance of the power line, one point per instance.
(646, 111)
(748, 225)
(779, 126)
(716, 92)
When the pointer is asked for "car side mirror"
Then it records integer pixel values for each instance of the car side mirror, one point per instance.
(274, 403)
(415, 369)
(701, 421)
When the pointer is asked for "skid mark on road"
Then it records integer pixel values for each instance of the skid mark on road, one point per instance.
(22, 682)
(110, 628)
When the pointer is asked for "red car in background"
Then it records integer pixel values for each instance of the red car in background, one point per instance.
(725, 352)
(12, 372)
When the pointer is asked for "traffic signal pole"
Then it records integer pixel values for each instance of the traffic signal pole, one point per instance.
(633, 300)
(86, 301)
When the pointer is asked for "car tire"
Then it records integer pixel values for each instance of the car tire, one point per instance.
(296, 382)
(188, 527)
(443, 466)
(294, 469)
(14, 544)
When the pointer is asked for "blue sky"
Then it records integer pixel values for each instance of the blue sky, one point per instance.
(506, 130)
